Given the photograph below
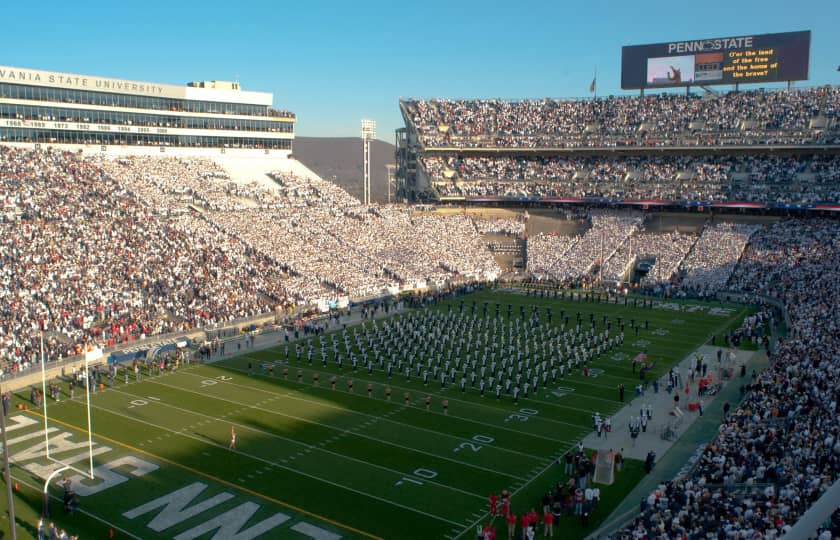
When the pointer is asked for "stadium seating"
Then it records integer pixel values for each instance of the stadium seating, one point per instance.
(764, 179)
(779, 450)
(736, 118)
(670, 148)
(113, 251)
(565, 258)
(117, 250)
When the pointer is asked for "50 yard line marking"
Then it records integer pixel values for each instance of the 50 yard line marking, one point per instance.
(215, 479)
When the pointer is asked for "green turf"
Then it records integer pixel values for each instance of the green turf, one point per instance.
(354, 465)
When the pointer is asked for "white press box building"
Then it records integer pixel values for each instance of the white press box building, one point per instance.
(120, 117)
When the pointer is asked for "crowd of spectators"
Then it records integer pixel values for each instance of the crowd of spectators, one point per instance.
(549, 254)
(94, 250)
(82, 259)
(700, 265)
(733, 118)
(364, 252)
(511, 227)
(546, 254)
(610, 229)
(764, 178)
(616, 266)
(708, 266)
(90, 251)
(667, 251)
(779, 451)
(569, 258)
(171, 185)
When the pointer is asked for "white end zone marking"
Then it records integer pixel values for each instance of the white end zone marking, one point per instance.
(314, 532)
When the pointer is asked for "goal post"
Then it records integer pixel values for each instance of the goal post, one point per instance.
(88, 356)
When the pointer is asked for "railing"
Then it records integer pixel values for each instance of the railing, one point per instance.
(150, 342)
(750, 298)
(226, 329)
(618, 522)
(500, 142)
(609, 528)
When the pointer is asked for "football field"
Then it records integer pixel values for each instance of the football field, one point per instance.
(332, 451)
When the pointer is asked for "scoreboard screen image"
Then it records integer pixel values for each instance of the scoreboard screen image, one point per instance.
(728, 60)
(670, 70)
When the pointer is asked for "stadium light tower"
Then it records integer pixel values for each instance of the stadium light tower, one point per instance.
(368, 133)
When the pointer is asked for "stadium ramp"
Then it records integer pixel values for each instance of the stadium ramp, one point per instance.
(249, 169)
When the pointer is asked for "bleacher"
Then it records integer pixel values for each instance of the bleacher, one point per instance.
(806, 116)
(763, 149)
(112, 252)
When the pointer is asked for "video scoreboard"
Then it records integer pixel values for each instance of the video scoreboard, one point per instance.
(727, 60)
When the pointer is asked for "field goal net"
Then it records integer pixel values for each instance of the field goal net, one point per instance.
(604, 467)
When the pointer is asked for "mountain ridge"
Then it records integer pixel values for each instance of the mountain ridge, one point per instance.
(339, 160)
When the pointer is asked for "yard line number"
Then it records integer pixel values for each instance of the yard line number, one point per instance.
(215, 380)
(470, 445)
(522, 415)
(140, 402)
(422, 473)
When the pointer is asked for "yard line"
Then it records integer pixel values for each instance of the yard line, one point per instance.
(472, 390)
(563, 381)
(494, 426)
(208, 442)
(614, 402)
(306, 445)
(471, 527)
(397, 408)
(451, 399)
(385, 418)
(334, 428)
(515, 491)
(215, 478)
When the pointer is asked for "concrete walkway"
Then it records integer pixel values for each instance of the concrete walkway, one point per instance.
(662, 404)
(674, 457)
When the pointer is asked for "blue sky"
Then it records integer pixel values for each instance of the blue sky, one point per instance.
(333, 63)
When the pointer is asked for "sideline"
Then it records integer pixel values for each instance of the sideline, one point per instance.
(80, 510)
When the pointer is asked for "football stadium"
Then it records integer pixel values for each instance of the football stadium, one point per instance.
(602, 317)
